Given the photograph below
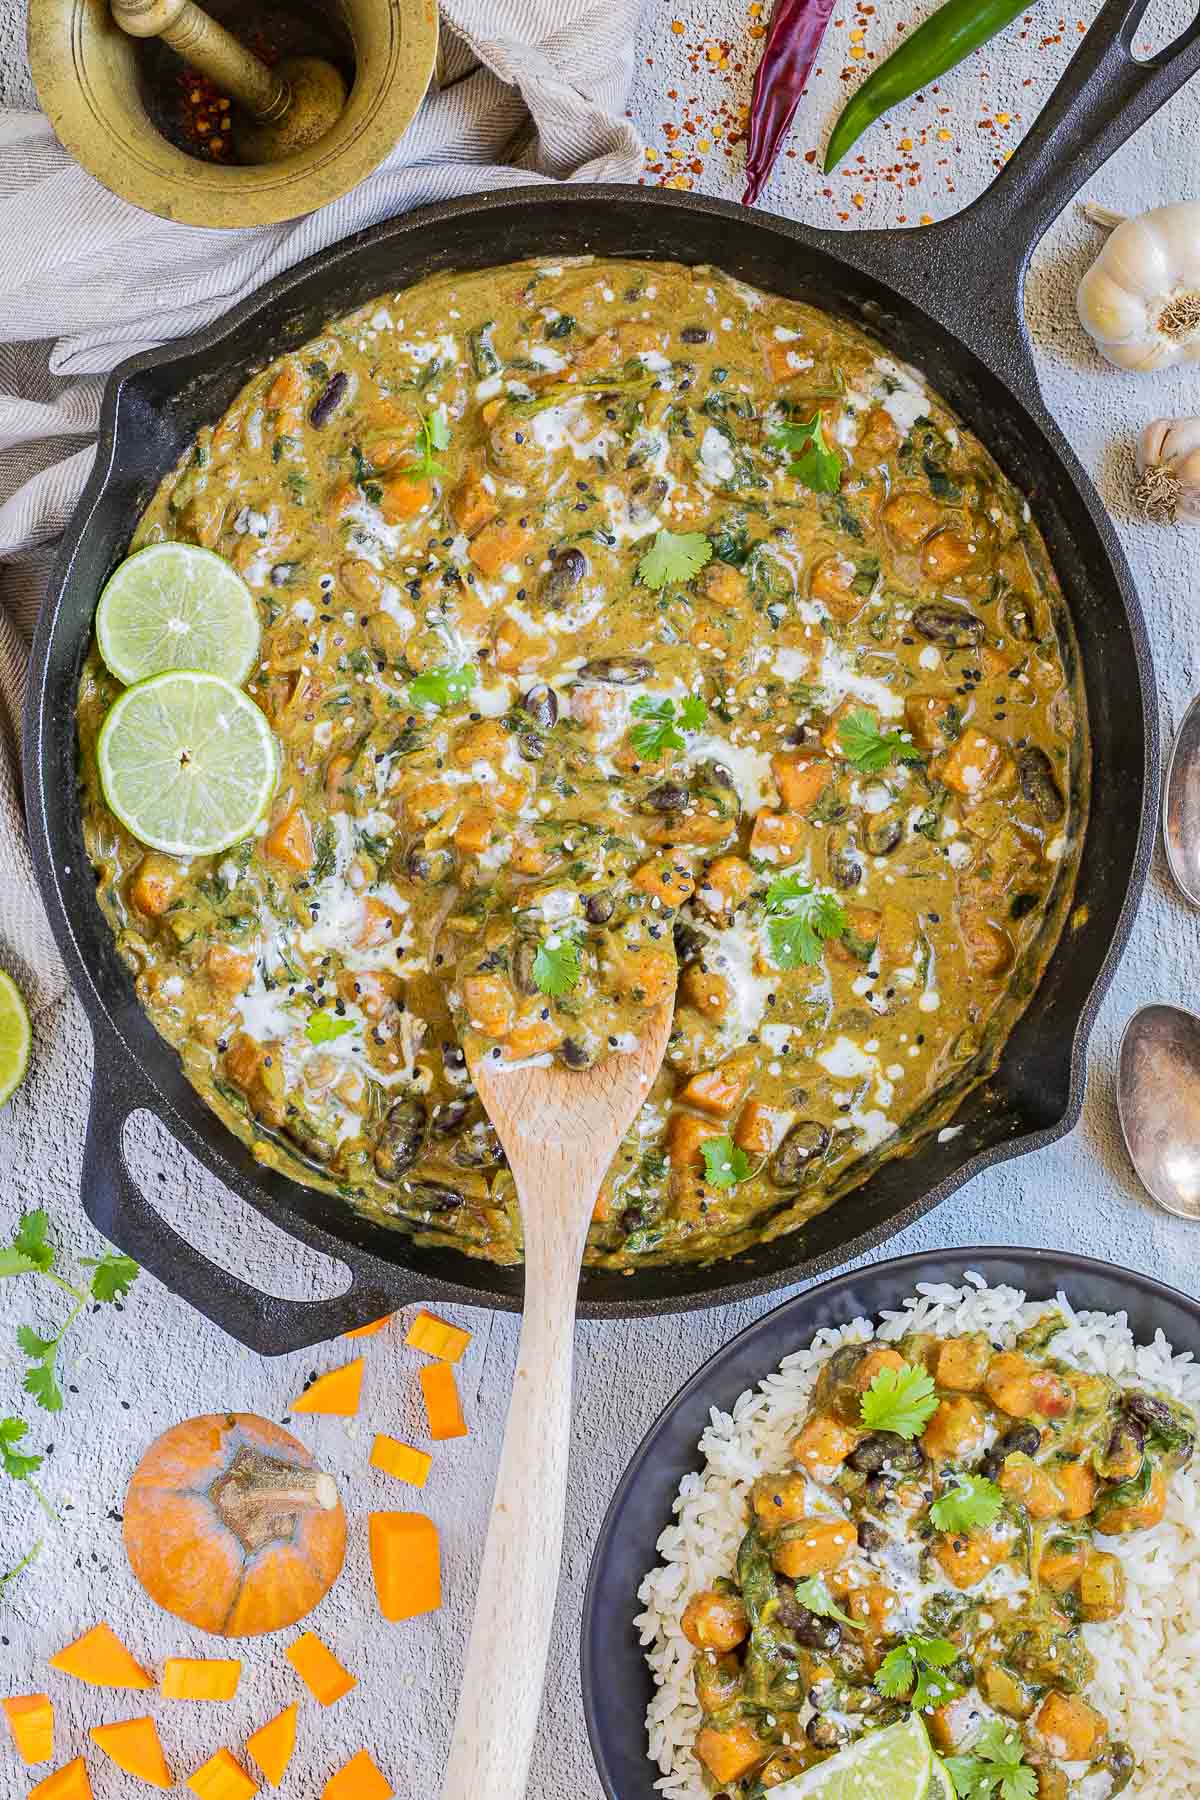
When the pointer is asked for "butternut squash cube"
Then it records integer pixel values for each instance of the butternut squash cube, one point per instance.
(31, 1722)
(359, 1779)
(821, 1545)
(133, 1744)
(406, 1564)
(319, 1669)
(1073, 1730)
(222, 1777)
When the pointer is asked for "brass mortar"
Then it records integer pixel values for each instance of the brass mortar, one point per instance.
(107, 96)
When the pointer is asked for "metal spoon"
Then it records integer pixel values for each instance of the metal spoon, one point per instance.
(1158, 1101)
(1181, 806)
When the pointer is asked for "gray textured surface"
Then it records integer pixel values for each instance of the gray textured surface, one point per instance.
(156, 1362)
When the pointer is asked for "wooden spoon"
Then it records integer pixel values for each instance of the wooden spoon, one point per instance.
(560, 1130)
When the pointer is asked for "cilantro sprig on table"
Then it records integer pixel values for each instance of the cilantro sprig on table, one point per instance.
(901, 1401)
(439, 688)
(30, 1556)
(815, 461)
(674, 556)
(20, 1465)
(663, 727)
(32, 1253)
(872, 750)
(801, 918)
(913, 1671)
(995, 1768)
(971, 1505)
(725, 1163)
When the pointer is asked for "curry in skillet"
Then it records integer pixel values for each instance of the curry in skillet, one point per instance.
(621, 625)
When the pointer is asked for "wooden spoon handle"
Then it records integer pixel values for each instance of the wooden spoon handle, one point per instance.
(506, 1662)
(209, 48)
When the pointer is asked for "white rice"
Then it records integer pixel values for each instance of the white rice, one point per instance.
(1147, 1661)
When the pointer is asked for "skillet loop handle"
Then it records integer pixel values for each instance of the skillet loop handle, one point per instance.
(115, 1204)
(1106, 94)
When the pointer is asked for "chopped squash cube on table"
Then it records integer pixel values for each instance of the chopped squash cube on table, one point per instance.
(31, 1721)
(222, 1777)
(436, 1338)
(400, 1460)
(200, 1678)
(319, 1669)
(134, 1746)
(442, 1403)
(101, 1659)
(359, 1779)
(361, 1331)
(406, 1563)
(338, 1392)
(68, 1783)
(272, 1744)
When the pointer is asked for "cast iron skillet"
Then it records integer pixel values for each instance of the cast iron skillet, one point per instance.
(617, 1686)
(948, 299)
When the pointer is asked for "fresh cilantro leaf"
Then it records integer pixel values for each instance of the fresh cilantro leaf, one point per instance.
(813, 1593)
(439, 688)
(112, 1275)
(556, 968)
(817, 464)
(996, 1766)
(674, 556)
(900, 1400)
(725, 1164)
(14, 1463)
(972, 1505)
(36, 1348)
(871, 750)
(664, 728)
(433, 436)
(40, 1383)
(29, 1253)
(800, 918)
(323, 1027)
(913, 1672)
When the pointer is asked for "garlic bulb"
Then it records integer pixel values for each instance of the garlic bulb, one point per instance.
(1168, 460)
(1140, 300)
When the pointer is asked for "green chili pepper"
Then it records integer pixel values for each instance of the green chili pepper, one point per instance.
(941, 43)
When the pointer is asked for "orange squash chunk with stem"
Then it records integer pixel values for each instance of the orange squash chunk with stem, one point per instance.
(133, 1744)
(338, 1392)
(200, 1678)
(400, 1461)
(230, 1525)
(442, 1403)
(68, 1783)
(101, 1659)
(319, 1669)
(272, 1744)
(359, 1779)
(31, 1721)
(436, 1338)
(406, 1564)
(222, 1777)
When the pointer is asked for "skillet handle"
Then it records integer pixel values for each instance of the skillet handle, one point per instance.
(1105, 95)
(115, 1204)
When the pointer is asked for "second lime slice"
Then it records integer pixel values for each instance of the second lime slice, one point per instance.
(188, 763)
(892, 1764)
(177, 606)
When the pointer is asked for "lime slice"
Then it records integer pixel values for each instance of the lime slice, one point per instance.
(940, 1785)
(188, 763)
(892, 1764)
(14, 1037)
(175, 606)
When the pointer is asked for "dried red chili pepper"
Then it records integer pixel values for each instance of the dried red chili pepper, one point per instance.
(797, 28)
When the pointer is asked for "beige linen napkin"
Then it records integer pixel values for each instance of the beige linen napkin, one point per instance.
(531, 90)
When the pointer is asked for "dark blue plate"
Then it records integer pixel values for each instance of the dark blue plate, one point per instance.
(616, 1682)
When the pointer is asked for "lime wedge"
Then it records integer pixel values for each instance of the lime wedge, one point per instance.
(892, 1764)
(188, 763)
(14, 1037)
(940, 1785)
(176, 606)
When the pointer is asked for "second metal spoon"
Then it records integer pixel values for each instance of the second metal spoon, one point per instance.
(1158, 1100)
